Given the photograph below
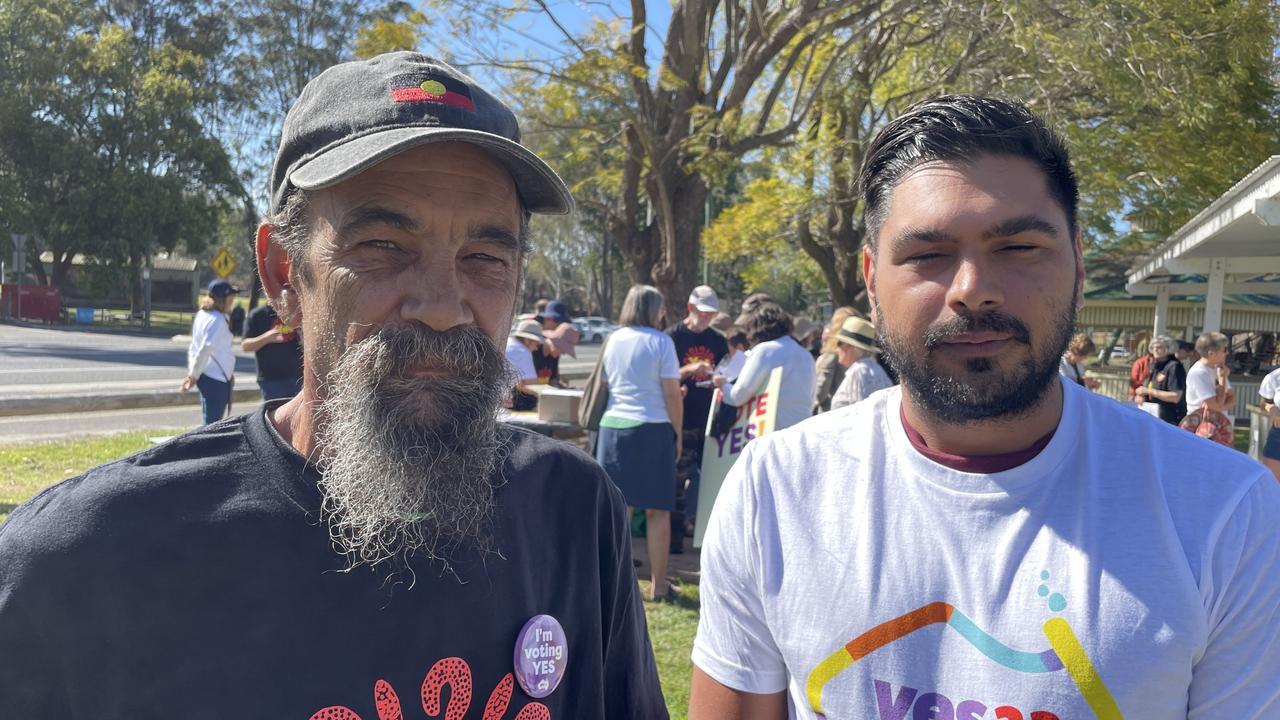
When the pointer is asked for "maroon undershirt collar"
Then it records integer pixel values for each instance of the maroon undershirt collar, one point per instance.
(982, 464)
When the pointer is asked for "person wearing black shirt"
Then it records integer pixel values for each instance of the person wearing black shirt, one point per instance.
(278, 351)
(699, 349)
(1166, 384)
(380, 542)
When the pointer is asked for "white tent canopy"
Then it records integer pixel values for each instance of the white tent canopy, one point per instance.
(1235, 243)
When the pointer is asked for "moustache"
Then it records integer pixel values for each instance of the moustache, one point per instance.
(991, 321)
(459, 352)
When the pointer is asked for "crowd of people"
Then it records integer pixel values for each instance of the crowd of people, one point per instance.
(983, 537)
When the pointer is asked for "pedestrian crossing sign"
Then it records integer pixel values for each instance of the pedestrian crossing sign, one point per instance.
(222, 263)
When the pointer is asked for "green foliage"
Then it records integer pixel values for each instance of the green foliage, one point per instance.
(103, 145)
(757, 236)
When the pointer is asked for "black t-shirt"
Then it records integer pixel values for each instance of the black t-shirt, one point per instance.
(1168, 374)
(708, 346)
(547, 366)
(196, 579)
(276, 361)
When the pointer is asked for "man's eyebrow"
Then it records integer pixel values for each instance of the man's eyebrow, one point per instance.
(919, 235)
(496, 234)
(363, 217)
(1019, 225)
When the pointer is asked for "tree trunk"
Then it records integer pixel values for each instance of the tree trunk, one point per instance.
(677, 271)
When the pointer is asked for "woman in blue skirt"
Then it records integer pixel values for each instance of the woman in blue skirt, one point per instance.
(638, 442)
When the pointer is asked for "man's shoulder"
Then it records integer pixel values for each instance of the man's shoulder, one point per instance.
(540, 463)
(1178, 458)
(825, 434)
(151, 487)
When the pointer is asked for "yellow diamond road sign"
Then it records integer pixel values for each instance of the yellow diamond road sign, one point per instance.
(222, 263)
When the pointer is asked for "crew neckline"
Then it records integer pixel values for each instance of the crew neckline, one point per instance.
(1016, 479)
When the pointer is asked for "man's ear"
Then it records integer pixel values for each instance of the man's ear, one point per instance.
(869, 275)
(275, 269)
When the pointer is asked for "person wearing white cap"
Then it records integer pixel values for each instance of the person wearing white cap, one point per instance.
(521, 345)
(699, 348)
(856, 348)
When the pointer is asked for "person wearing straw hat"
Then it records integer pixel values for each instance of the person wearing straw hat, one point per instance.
(521, 346)
(383, 541)
(856, 350)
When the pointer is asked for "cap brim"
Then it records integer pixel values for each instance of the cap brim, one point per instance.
(540, 189)
(705, 307)
(527, 336)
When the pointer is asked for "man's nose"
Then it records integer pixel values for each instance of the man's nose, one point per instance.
(975, 286)
(436, 299)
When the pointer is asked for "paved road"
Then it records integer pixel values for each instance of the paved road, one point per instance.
(36, 361)
(35, 356)
(31, 357)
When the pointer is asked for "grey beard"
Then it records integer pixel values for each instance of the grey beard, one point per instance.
(409, 464)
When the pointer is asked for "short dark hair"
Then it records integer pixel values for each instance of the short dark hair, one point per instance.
(765, 321)
(960, 128)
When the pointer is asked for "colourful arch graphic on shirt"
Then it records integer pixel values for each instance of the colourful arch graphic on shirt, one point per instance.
(1066, 654)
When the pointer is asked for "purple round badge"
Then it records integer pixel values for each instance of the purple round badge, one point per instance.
(541, 655)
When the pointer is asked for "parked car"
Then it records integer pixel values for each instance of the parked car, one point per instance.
(593, 329)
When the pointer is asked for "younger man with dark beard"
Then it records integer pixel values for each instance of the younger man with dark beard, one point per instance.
(989, 541)
(378, 543)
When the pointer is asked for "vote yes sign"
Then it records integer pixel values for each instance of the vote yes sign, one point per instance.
(757, 416)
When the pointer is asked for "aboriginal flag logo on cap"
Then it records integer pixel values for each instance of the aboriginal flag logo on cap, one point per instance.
(432, 89)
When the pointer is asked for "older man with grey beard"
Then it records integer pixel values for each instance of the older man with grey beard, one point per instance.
(380, 541)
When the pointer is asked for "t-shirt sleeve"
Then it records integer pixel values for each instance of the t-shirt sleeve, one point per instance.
(752, 378)
(253, 324)
(1270, 383)
(1176, 377)
(669, 364)
(734, 644)
(845, 393)
(1237, 675)
(1201, 385)
(522, 360)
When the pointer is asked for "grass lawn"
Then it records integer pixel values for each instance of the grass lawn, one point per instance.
(27, 469)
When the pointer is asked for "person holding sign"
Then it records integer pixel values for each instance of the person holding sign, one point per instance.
(768, 329)
(639, 438)
(856, 346)
(700, 349)
(989, 539)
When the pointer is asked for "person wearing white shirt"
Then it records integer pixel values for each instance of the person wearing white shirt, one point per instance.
(768, 329)
(639, 438)
(1209, 394)
(987, 540)
(520, 347)
(1271, 450)
(856, 347)
(211, 361)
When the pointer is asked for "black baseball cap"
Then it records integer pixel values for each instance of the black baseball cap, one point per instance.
(222, 288)
(357, 114)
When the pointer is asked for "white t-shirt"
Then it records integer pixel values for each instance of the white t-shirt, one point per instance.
(731, 367)
(862, 378)
(521, 358)
(844, 567)
(1202, 383)
(210, 352)
(1074, 372)
(799, 378)
(1270, 385)
(636, 361)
